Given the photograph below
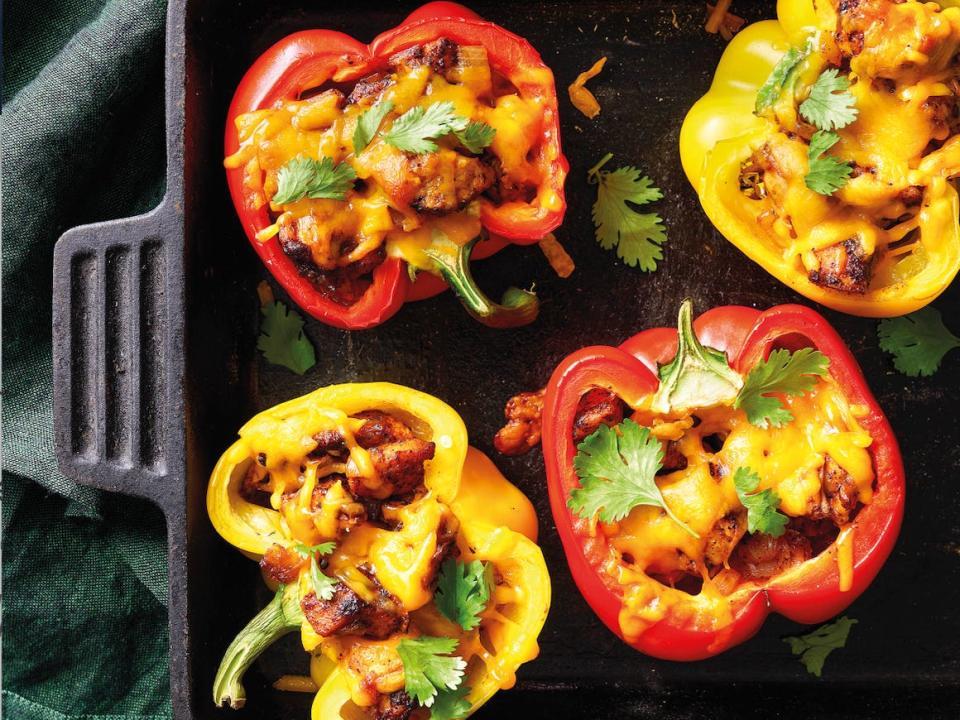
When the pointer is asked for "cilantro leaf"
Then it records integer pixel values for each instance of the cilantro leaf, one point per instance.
(463, 591)
(323, 585)
(324, 548)
(825, 174)
(782, 372)
(771, 89)
(814, 647)
(829, 106)
(637, 236)
(368, 123)
(617, 468)
(917, 341)
(282, 341)
(762, 514)
(476, 136)
(451, 704)
(429, 667)
(416, 130)
(305, 177)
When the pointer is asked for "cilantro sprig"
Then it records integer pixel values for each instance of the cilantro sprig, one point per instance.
(813, 648)
(762, 513)
(917, 341)
(825, 174)
(784, 373)
(451, 704)
(368, 123)
(305, 177)
(428, 667)
(636, 236)
(324, 548)
(463, 591)
(418, 128)
(617, 468)
(323, 585)
(282, 340)
(829, 106)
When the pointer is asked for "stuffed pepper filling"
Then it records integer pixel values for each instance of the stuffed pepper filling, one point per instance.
(381, 562)
(396, 164)
(858, 170)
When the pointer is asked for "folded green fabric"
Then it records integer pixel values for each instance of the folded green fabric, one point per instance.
(84, 575)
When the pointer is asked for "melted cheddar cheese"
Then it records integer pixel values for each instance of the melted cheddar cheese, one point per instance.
(647, 548)
(904, 82)
(379, 210)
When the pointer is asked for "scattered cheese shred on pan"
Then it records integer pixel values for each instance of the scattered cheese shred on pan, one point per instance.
(265, 293)
(720, 19)
(558, 258)
(582, 99)
(295, 683)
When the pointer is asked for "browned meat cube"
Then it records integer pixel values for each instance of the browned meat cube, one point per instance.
(522, 431)
(843, 267)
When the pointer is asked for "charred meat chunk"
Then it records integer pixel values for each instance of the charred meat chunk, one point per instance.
(447, 181)
(840, 494)
(395, 706)
(597, 407)
(722, 539)
(347, 614)
(400, 464)
(844, 267)
(442, 55)
(371, 86)
(380, 428)
(522, 431)
(281, 564)
(762, 556)
(673, 459)
(329, 442)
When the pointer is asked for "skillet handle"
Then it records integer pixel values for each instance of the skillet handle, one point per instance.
(116, 341)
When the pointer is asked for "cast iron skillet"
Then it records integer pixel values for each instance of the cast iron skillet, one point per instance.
(155, 369)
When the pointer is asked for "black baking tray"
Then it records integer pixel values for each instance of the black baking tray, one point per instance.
(155, 322)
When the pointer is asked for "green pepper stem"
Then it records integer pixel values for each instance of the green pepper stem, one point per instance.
(516, 308)
(698, 376)
(280, 617)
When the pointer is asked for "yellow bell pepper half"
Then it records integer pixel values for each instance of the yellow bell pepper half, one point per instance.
(722, 132)
(496, 524)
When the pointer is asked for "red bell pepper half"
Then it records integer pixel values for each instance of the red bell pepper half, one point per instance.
(808, 594)
(311, 58)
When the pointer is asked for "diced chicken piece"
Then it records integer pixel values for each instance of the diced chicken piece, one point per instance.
(379, 429)
(395, 706)
(673, 459)
(399, 466)
(840, 495)
(522, 431)
(378, 664)
(597, 407)
(347, 614)
(843, 267)
(447, 180)
(722, 539)
(371, 87)
(762, 556)
(281, 564)
(442, 55)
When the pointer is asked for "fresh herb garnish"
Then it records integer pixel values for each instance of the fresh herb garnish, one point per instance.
(323, 585)
(476, 136)
(782, 72)
(305, 177)
(637, 236)
(428, 667)
(282, 341)
(825, 174)
(463, 591)
(782, 372)
(829, 106)
(368, 123)
(416, 130)
(451, 704)
(814, 647)
(762, 514)
(617, 468)
(324, 548)
(917, 341)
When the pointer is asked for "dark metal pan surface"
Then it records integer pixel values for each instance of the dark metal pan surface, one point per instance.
(156, 368)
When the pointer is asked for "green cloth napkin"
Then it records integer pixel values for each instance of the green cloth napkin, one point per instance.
(84, 574)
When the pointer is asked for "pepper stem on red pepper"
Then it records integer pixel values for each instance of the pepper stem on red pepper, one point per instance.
(517, 307)
(698, 376)
(280, 617)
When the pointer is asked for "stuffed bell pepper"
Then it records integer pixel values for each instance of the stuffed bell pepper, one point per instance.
(408, 564)
(703, 477)
(828, 146)
(367, 175)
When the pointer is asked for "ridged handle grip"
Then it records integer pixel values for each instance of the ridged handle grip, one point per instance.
(113, 302)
